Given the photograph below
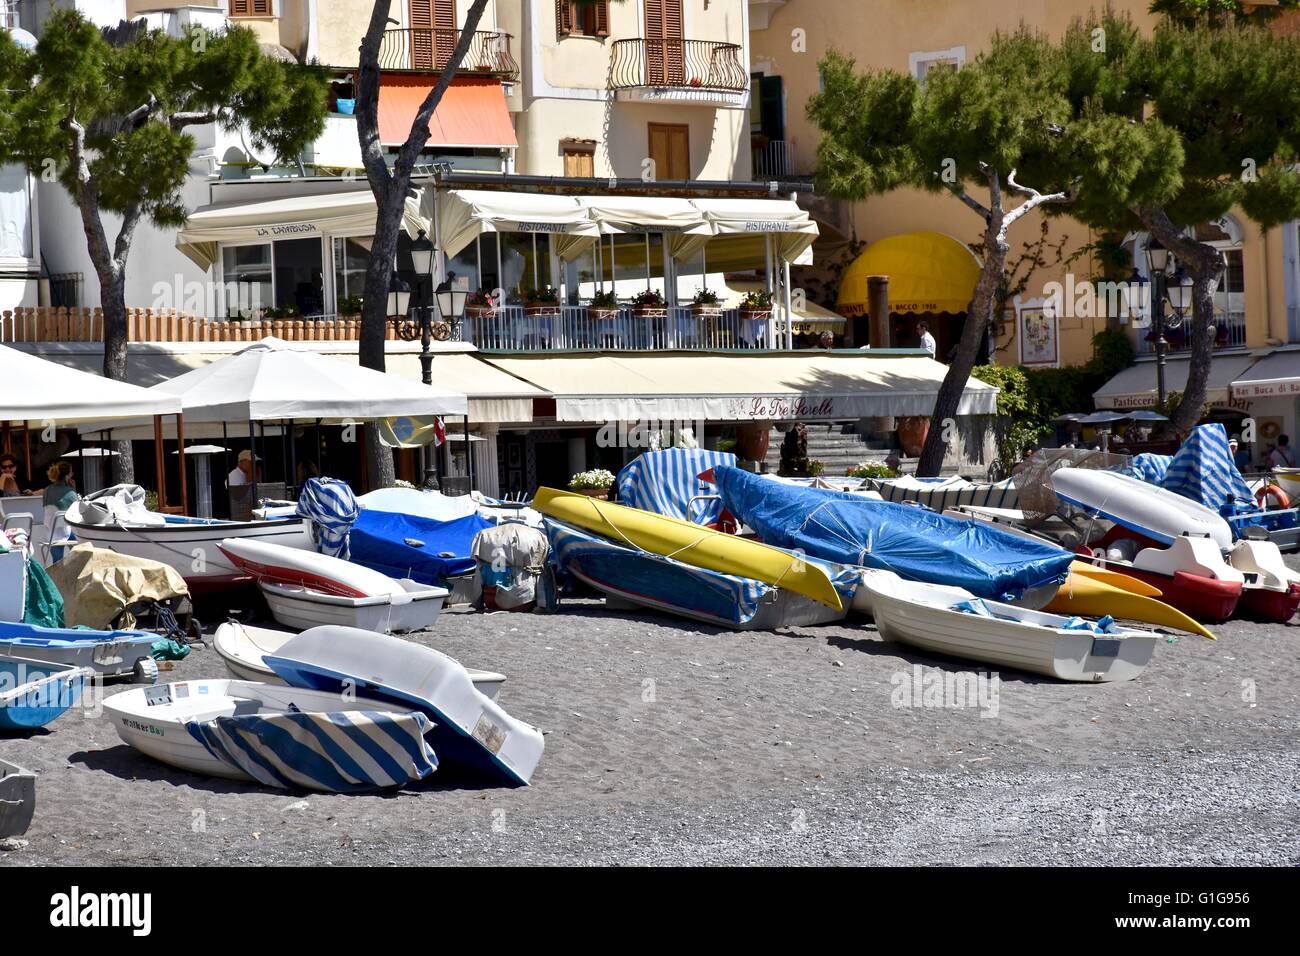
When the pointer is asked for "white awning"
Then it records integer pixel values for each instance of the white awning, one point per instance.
(495, 397)
(465, 214)
(293, 217)
(1276, 374)
(1135, 387)
(811, 385)
(790, 226)
(35, 390)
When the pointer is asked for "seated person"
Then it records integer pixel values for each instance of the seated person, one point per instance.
(9, 477)
(242, 473)
(62, 489)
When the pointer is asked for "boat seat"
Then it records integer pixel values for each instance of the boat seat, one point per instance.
(246, 705)
(1263, 559)
(1197, 556)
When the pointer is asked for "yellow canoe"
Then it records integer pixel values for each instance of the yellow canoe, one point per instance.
(690, 543)
(1093, 597)
(1116, 579)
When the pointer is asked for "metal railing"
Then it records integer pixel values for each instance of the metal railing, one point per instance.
(1232, 335)
(429, 48)
(677, 63)
(773, 159)
(571, 328)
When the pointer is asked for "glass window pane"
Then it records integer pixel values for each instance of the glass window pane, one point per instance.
(15, 213)
(350, 258)
(299, 281)
(465, 266)
(487, 262)
(247, 276)
(526, 261)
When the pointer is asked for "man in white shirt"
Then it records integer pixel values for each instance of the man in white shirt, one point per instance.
(927, 340)
(1282, 456)
(242, 473)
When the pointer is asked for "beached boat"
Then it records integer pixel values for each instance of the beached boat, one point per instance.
(242, 648)
(939, 494)
(468, 728)
(661, 583)
(17, 799)
(305, 589)
(190, 545)
(952, 621)
(692, 544)
(280, 736)
(107, 653)
(33, 693)
(1272, 590)
(1190, 574)
(918, 544)
(1141, 506)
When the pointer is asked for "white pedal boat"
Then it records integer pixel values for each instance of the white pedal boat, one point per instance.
(925, 616)
(242, 649)
(468, 728)
(1143, 507)
(153, 719)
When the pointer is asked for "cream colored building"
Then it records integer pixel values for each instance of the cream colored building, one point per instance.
(1257, 302)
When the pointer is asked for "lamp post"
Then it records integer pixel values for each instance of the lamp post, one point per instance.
(1157, 261)
(1178, 289)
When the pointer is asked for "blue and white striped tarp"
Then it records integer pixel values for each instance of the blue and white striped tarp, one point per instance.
(665, 482)
(1203, 470)
(1149, 467)
(344, 752)
(950, 493)
(332, 509)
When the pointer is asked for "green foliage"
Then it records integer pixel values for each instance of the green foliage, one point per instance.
(135, 100)
(1031, 398)
(872, 469)
(1216, 13)
(1112, 352)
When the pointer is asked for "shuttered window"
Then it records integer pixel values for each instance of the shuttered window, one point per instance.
(579, 157)
(670, 148)
(665, 45)
(582, 19)
(433, 33)
(251, 8)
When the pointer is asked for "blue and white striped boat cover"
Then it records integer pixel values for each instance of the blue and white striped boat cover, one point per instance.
(345, 752)
(665, 482)
(672, 582)
(332, 509)
(1203, 470)
(1000, 494)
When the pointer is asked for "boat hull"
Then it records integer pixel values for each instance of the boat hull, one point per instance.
(17, 799)
(1092, 597)
(34, 693)
(1207, 600)
(107, 653)
(1081, 657)
(1140, 506)
(295, 606)
(193, 549)
(1268, 605)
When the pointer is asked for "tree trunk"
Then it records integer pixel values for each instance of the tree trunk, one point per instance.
(374, 316)
(112, 302)
(944, 417)
(1204, 264)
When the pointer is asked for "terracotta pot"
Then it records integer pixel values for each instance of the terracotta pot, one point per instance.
(602, 493)
(602, 315)
(541, 309)
(752, 441)
(912, 432)
(479, 311)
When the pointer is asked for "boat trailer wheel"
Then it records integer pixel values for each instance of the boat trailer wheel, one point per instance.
(145, 671)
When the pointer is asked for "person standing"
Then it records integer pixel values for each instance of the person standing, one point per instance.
(927, 340)
(242, 473)
(1282, 456)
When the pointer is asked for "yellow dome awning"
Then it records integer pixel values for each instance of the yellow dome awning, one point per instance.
(928, 272)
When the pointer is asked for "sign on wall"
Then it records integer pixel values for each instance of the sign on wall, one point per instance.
(1039, 336)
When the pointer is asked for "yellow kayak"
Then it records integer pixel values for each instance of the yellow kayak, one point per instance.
(1092, 597)
(690, 543)
(1116, 579)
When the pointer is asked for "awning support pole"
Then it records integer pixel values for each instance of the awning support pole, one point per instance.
(159, 463)
(27, 450)
(469, 458)
(767, 278)
(180, 454)
(789, 312)
(252, 448)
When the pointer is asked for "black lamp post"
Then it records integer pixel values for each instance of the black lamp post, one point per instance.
(422, 259)
(1157, 261)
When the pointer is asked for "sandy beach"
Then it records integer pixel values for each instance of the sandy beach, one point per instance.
(671, 743)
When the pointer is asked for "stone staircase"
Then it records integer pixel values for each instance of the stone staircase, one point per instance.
(839, 447)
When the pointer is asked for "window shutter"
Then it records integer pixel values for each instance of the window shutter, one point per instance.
(602, 18)
(563, 17)
(262, 8)
(239, 8)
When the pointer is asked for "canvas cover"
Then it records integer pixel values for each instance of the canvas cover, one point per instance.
(330, 506)
(665, 481)
(511, 558)
(98, 583)
(407, 546)
(916, 544)
(1202, 471)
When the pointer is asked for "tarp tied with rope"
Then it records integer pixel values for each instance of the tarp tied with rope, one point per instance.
(919, 545)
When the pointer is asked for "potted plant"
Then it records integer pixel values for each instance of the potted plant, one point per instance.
(706, 302)
(912, 432)
(541, 301)
(648, 302)
(479, 304)
(604, 305)
(350, 306)
(756, 305)
(872, 469)
(594, 483)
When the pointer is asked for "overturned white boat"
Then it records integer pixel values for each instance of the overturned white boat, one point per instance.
(116, 518)
(243, 650)
(952, 621)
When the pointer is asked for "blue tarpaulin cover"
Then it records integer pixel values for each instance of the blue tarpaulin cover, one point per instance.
(917, 544)
(384, 541)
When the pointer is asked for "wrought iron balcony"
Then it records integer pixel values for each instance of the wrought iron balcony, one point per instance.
(427, 49)
(686, 70)
(1231, 335)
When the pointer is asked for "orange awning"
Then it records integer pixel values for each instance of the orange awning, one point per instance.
(472, 112)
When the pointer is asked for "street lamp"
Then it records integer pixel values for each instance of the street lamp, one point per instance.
(1157, 261)
(399, 298)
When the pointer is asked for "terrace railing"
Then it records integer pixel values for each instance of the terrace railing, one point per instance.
(579, 328)
(429, 48)
(677, 63)
(1232, 335)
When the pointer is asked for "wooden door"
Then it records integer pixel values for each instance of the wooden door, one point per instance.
(665, 44)
(433, 33)
(670, 148)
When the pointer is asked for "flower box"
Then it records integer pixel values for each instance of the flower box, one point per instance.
(602, 315)
(601, 493)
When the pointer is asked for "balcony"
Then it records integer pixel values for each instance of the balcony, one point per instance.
(427, 50)
(1232, 335)
(678, 71)
(772, 160)
(580, 329)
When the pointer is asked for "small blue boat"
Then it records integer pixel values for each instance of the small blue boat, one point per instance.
(107, 653)
(917, 544)
(33, 693)
(409, 546)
